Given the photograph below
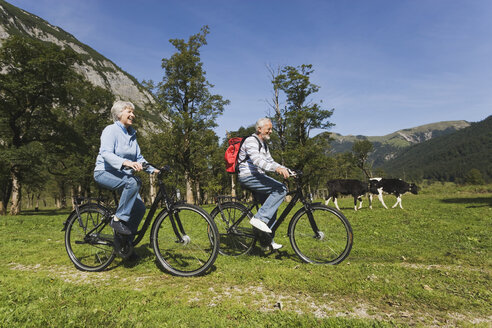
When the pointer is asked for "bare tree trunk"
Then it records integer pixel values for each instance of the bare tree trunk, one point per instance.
(189, 191)
(15, 208)
(4, 201)
(197, 189)
(38, 196)
(153, 189)
(233, 185)
(74, 194)
(29, 197)
(63, 196)
(279, 116)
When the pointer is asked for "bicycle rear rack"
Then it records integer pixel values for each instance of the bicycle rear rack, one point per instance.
(225, 198)
(80, 200)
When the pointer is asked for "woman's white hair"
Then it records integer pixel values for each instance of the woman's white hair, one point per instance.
(261, 122)
(118, 108)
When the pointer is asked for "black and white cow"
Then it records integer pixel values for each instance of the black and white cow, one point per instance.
(355, 188)
(395, 187)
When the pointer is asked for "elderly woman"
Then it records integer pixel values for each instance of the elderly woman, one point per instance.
(118, 154)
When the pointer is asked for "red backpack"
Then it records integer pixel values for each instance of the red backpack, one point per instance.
(232, 152)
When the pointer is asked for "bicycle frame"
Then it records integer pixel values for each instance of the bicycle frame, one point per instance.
(161, 196)
(297, 196)
(169, 205)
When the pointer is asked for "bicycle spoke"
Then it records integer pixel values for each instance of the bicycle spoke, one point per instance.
(336, 241)
(92, 252)
(232, 220)
(196, 251)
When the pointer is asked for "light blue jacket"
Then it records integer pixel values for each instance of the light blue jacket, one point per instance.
(118, 144)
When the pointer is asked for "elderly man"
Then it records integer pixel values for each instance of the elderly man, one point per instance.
(254, 161)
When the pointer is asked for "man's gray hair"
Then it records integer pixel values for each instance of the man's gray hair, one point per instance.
(118, 108)
(261, 122)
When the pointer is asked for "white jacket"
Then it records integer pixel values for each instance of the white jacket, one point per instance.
(254, 157)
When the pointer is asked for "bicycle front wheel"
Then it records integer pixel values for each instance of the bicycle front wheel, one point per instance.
(236, 234)
(186, 241)
(89, 239)
(320, 235)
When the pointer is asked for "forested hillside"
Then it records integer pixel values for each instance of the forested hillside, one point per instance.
(386, 147)
(447, 158)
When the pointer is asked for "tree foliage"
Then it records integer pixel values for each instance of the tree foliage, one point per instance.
(184, 96)
(38, 89)
(298, 118)
(361, 149)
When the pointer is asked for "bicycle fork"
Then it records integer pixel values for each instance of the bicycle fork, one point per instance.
(317, 234)
(183, 238)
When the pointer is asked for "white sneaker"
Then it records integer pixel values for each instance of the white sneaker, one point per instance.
(257, 223)
(275, 246)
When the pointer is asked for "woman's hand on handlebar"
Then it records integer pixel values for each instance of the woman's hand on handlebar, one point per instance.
(136, 166)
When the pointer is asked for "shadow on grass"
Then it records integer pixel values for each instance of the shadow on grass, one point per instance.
(48, 212)
(473, 202)
(280, 254)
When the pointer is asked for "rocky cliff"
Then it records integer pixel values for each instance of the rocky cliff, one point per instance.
(97, 69)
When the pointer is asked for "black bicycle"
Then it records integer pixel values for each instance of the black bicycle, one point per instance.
(318, 234)
(184, 237)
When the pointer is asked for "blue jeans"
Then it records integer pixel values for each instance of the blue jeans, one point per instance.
(131, 208)
(269, 191)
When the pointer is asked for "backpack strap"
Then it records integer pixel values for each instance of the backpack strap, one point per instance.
(246, 158)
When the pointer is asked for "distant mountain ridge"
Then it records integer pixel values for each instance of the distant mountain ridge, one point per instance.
(96, 68)
(448, 157)
(388, 146)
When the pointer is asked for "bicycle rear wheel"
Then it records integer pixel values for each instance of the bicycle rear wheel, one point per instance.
(89, 241)
(236, 234)
(187, 243)
(332, 241)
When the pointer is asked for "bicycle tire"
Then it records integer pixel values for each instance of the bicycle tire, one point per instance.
(235, 238)
(189, 254)
(330, 245)
(93, 252)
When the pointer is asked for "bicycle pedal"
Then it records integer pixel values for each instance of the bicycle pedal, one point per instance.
(123, 246)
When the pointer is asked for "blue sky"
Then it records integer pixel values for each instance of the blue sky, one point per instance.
(383, 65)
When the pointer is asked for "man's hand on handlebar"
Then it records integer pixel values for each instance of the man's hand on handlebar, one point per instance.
(283, 171)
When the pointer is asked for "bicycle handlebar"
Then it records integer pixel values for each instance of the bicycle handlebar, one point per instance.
(293, 173)
(162, 170)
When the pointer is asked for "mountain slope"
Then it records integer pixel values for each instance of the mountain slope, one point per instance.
(386, 147)
(95, 68)
(449, 157)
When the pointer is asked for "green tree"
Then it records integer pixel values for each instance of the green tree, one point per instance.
(300, 116)
(361, 150)
(474, 177)
(185, 98)
(85, 117)
(33, 87)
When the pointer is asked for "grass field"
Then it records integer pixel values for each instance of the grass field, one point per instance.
(429, 264)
